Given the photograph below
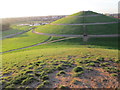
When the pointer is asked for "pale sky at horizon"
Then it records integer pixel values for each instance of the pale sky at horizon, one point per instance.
(21, 8)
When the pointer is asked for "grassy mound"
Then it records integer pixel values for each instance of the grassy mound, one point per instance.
(74, 19)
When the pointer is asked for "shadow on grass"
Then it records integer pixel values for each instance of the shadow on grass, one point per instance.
(105, 42)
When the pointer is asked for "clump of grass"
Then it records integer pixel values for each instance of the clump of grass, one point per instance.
(111, 69)
(41, 86)
(63, 87)
(50, 70)
(40, 74)
(3, 82)
(30, 75)
(37, 74)
(28, 81)
(21, 87)
(114, 74)
(78, 74)
(91, 64)
(89, 68)
(27, 88)
(29, 71)
(6, 73)
(60, 67)
(45, 77)
(76, 82)
(78, 69)
(8, 78)
(101, 59)
(84, 61)
(117, 61)
(46, 82)
(10, 86)
(30, 67)
(104, 64)
(19, 79)
(61, 73)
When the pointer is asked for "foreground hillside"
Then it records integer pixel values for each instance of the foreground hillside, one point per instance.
(69, 67)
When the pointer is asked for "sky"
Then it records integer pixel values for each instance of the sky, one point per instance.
(21, 8)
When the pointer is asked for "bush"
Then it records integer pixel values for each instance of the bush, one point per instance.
(78, 69)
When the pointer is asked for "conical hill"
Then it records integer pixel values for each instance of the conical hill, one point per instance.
(88, 22)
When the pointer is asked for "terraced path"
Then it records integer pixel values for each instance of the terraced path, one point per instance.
(12, 35)
(87, 23)
(112, 35)
(45, 42)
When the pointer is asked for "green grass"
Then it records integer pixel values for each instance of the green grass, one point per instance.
(46, 60)
(22, 40)
(60, 29)
(78, 20)
(105, 43)
(78, 30)
(92, 42)
(15, 29)
(84, 13)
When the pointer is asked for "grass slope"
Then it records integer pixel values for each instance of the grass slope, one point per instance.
(78, 30)
(91, 29)
(15, 29)
(105, 43)
(41, 63)
(22, 40)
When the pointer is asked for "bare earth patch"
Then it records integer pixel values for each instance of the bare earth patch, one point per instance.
(98, 78)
